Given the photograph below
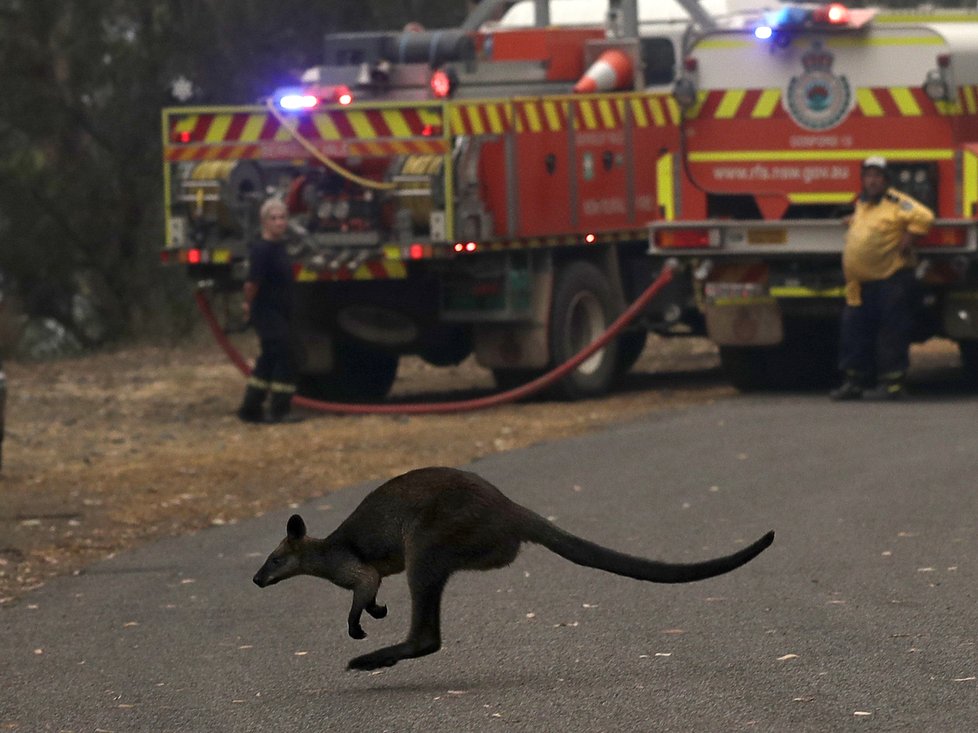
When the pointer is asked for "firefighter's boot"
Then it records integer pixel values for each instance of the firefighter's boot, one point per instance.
(891, 388)
(280, 408)
(252, 406)
(850, 389)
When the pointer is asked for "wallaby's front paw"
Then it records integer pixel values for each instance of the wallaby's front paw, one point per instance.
(377, 611)
(357, 632)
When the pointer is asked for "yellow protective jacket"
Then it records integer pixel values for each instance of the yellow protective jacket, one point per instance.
(872, 246)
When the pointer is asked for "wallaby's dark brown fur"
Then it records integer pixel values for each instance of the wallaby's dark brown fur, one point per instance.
(433, 522)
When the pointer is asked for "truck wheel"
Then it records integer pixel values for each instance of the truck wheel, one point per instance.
(446, 345)
(969, 360)
(583, 308)
(359, 373)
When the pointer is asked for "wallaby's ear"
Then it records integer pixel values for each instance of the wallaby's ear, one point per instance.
(296, 527)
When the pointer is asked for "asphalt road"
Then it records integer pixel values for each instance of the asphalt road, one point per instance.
(861, 616)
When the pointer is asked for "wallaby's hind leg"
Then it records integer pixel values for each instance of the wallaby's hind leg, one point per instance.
(427, 585)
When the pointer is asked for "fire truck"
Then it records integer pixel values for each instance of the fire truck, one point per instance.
(777, 115)
(508, 187)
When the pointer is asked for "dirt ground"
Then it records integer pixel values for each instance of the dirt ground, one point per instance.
(111, 450)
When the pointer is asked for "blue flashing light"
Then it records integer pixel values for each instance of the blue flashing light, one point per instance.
(297, 100)
(787, 16)
(763, 32)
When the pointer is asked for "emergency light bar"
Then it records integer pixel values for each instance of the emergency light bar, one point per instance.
(797, 17)
(306, 98)
(297, 100)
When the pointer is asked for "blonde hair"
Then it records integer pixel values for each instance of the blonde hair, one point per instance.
(269, 205)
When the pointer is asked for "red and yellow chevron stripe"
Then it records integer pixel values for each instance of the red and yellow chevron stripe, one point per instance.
(480, 118)
(254, 133)
(745, 104)
(544, 114)
(540, 115)
(611, 112)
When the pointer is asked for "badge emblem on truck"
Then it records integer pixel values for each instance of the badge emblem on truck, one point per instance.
(817, 99)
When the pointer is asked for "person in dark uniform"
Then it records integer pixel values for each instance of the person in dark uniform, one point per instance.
(268, 306)
(878, 261)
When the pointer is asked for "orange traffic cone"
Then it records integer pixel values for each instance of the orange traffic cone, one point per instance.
(612, 70)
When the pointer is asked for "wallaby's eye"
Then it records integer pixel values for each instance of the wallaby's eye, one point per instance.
(277, 561)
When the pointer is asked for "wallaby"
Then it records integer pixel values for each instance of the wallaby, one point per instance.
(432, 522)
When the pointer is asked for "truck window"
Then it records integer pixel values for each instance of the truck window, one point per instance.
(659, 58)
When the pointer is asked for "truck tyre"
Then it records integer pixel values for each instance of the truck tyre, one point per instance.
(360, 373)
(446, 345)
(969, 361)
(583, 308)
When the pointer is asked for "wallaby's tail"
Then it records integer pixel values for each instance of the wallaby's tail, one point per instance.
(591, 555)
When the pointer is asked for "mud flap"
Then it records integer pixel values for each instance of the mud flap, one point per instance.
(745, 323)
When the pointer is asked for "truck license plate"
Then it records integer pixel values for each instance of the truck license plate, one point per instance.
(767, 235)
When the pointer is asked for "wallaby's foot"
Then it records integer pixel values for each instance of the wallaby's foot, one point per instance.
(377, 611)
(357, 632)
(391, 655)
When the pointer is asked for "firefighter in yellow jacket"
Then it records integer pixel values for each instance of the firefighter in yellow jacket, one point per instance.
(879, 266)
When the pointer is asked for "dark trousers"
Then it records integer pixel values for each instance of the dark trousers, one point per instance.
(875, 338)
(275, 365)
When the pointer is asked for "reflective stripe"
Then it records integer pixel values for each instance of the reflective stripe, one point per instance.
(821, 198)
(753, 155)
(968, 93)
(969, 198)
(905, 102)
(218, 129)
(665, 189)
(844, 41)
(555, 114)
(767, 103)
(725, 43)
(868, 104)
(729, 104)
(801, 292)
(759, 104)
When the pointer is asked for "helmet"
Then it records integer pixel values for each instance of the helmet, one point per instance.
(875, 161)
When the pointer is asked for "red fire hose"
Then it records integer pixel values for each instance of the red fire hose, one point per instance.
(525, 390)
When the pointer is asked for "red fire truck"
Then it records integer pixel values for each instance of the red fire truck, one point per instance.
(450, 193)
(490, 189)
(777, 116)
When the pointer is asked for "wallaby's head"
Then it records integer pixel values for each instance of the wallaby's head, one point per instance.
(286, 560)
